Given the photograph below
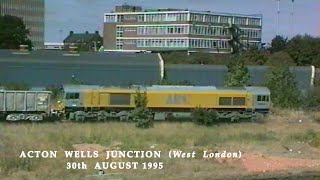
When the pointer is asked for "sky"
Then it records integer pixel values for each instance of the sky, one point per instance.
(63, 16)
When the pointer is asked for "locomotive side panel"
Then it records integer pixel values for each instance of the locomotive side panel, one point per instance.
(102, 99)
(211, 100)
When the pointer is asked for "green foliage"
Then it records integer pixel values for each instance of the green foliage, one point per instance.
(17, 87)
(316, 95)
(304, 50)
(201, 58)
(13, 33)
(279, 59)
(284, 91)
(204, 117)
(238, 74)
(84, 47)
(235, 42)
(56, 91)
(279, 43)
(141, 114)
(195, 58)
(254, 56)
(176, 57)
(180, 83)
(312, 99)
(76, 82)
(141, 99)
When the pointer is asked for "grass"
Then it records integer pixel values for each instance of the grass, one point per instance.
(278, 130)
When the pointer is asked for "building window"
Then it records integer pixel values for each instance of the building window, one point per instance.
(110, 18)
(119, 31)
(254, 22)
(224, 19)
(119, 44)
(140, 18)
(240, 21)
(120, 18)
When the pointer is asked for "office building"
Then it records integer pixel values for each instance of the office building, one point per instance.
(130, 28)
(32, 13)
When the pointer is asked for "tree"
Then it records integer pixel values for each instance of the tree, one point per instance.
(283, 87)
(56, 91)
(13, 33)
(279, 43)
(201, 58)
(175, 57)
(235, 42)
(280, 58)
(254, 56)
(238, 73)
(304, 50)
(76, 81)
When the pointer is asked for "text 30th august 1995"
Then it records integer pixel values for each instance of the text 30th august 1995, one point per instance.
(113, 157)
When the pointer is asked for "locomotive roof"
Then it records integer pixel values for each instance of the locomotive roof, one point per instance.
(191, 88)
(74, 87)
(254, 89)
(258, 90)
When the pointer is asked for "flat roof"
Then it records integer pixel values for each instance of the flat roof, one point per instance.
(188, 11)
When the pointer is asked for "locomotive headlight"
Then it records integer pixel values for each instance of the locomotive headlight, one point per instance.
(74, 105)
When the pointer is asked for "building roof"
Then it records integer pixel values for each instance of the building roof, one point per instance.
(44, 68)
(82, 37)
(162, 11)
(207, 75)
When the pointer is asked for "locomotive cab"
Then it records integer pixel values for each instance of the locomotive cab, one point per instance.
(260, 99)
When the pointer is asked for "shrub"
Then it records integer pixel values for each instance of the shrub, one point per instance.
(279, 59)
(141, 114)
(56, 91)
(238, 74)
(204, 117)
(284, 91)
(17, 87)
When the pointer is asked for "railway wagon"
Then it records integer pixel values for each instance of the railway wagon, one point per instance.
(24, 105)
(164, 101)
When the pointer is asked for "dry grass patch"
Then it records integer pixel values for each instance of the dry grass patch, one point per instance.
(279, 131)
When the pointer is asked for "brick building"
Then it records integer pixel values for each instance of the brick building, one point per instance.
(130, 28)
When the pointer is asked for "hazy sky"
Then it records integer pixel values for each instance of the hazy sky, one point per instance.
(63, 16)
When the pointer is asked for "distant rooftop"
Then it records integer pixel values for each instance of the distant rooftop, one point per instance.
(138, 9)
(82, 37)
(165, 9)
